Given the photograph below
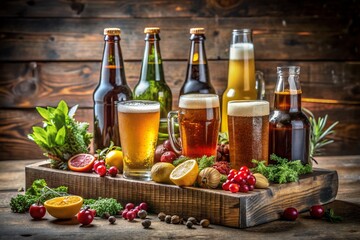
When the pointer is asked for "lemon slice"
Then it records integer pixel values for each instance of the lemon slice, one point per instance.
(64, 207)
(185, 174)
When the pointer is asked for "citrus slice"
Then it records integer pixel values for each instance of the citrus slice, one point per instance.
(115, 158)
(185, 174)
(64, 207)
(82, 162)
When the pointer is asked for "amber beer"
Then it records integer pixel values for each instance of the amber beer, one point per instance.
(138, 124)
(248, 123)
(199, 122)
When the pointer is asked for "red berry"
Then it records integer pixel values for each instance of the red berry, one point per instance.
(244, 188)
(136, 210)
(101, 170)
(167, 146)
(225, 185)
(168, 156)
(238, 178)
(244, 169)
(243, 175)
(130, 215)
(129, 206)
(290, 214)
(233, 172)
(37, 211)
(113, 171)
(251, 180)
(251, 187)
(124, 214)
(234, 188)
(242, 182)
(85, 216)
(143, 206)
(317, 211)
(98, 163)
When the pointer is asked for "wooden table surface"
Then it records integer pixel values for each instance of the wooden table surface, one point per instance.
(347, 205)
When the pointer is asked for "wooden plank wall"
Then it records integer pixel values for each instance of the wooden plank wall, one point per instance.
(51, 50)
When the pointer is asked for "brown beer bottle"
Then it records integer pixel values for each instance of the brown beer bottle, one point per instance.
(289, 128)
(197, 75)
(112, 87)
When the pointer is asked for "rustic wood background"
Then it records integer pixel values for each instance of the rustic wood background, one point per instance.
(51, 50)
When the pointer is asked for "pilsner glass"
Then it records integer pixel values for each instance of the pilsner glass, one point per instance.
(138, 124)
(199, 123)
(248, 123)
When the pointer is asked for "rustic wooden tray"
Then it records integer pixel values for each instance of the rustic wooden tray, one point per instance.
(239, 210)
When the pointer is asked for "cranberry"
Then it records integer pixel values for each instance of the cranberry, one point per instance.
(290, 214)
(317, 211)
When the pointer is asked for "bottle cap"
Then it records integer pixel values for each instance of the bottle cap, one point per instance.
(242, 30)
(112, 31)
(152, 30)
(197, 30)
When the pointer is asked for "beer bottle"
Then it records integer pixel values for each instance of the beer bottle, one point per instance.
(241, 77)
(197, 75)
(152, 85)
(289, 128)
(112, 87)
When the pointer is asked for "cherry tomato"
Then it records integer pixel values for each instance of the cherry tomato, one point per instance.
(143, 206)
(244, 169)
(113, 171)
(101, 170)
(168, 156)
(290, 214)
(37, 211)
(225, 185)
(85, 216)
(317, 211)
(234, 187)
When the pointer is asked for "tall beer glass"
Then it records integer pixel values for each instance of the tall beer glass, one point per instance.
(248, 123)
(138, 126)
(199, 122)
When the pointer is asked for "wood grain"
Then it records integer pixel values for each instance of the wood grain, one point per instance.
(239, 210)
(296, 38)
(164, 8)
(75, 81)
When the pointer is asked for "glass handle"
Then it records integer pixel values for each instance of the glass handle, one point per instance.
(171, 130)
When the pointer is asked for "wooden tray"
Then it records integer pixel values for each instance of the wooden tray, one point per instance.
(239, 210)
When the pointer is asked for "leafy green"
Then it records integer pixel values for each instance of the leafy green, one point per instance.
(103, 205)
(284, 171)
(39, 191)
(203, 162)
(103, 152)
(61, 136)
(331, 217)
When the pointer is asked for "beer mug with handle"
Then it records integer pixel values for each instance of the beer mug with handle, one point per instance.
(199, 121)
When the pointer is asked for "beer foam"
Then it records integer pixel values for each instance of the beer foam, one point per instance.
(240, 51)
(138, 106)
(248, 108)
(199, 101)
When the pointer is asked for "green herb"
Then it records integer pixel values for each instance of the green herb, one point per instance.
(203, 162)
(284, 171)
(223, 138)
(331, 217)
(103, 152)
(39, 191)
(319, 134)
(61, 137)
(103, 205)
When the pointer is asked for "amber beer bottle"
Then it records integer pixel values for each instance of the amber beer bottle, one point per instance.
(289, 128)
(241, 77)
(197, 75)
(152, 85)
(112, 87)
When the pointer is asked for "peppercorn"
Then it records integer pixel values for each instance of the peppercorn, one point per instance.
(106, 215)
(112, 219)
(189, 224)
(146, 223)
(162, 216)
(175, 219)
(142, 214)
(193, 220)
(168, 219)
(205, 223)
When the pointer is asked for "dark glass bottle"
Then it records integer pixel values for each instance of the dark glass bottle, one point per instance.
(152, 85)
(197, 75)
(289, 129)
(112, 87)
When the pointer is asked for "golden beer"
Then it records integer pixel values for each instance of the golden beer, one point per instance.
(241, 76)
(248, 132)
(199, 122)
(138, 126)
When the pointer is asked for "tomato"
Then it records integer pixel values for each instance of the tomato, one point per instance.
(317, 211)
(85, 216)
(37, 211)
(290, 214)
(82, 162)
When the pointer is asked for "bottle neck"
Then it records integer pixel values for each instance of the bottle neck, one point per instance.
(112, 67)
(197, 64)
(151, 68)
(288, 92)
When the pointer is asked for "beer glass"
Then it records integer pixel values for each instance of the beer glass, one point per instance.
(248, 123)
(199, 121)
(138, 126)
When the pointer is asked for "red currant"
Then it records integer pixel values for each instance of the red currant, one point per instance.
(251, 180)
(243, 175)
(238, 178)
(244, 188)
(244, 169)
(225, 185)
(234, 188)
(251, 187)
